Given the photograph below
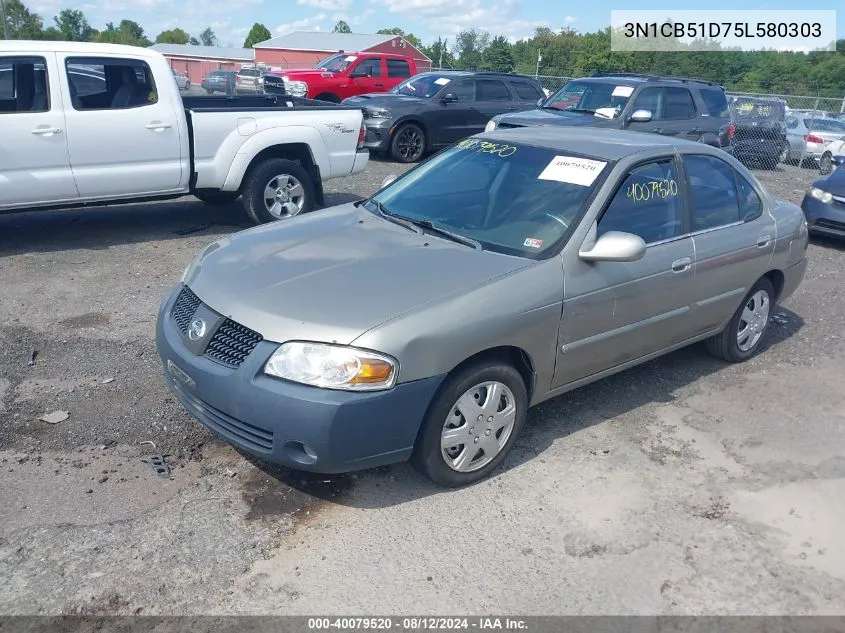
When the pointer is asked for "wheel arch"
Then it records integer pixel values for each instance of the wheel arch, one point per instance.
(299, 153)
(510, 354)
(777, 279)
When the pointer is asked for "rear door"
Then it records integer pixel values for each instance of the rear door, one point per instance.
(492, 97)
(34, 159)
(616, 312)
(734, 239)
(122, 135)
(526, 94)
(398, 70)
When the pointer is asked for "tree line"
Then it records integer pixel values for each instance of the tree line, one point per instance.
(563, 52)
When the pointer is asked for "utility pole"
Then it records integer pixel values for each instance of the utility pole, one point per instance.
(3, 15)
(539, 59)
(442, 46)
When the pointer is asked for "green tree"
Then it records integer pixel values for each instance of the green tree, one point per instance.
(258, 33)
(127, 32)
(73, 26)
(207, 37)
(194, 41)
(470, 46)
(498, 56)
(412, 39)
(439, 54)
(173, 36)
(51, 33)
(342, 27)
(21, 23)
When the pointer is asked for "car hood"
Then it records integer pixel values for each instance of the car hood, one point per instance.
(553, 118)
(304, 74)
(332, 275)
(834, 182)
(382, 100)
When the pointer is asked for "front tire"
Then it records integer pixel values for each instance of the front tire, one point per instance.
(408, 144)
(277, 189)
(741, 338)
(825, 164)
(472, 424)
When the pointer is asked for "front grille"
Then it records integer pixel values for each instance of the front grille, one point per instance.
(183, 310)
(830, 224)
(232, 343)
(247, 435)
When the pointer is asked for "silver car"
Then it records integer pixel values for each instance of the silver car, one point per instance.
(809, 135)
(515, 266)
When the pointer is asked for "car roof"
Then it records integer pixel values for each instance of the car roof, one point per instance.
(599, 143)
(636, 79)
(480, 73)
(49, 46)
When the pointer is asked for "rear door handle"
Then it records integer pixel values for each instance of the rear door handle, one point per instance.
(158, 125)
(47, 130)
(680, 265)
(763, 241)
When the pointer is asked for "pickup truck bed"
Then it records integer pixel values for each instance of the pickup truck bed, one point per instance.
(92, 124)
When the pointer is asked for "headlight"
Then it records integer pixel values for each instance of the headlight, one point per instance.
(491, 125)
(821, 195)
(332, 366)
(378, 113)
(295, 88)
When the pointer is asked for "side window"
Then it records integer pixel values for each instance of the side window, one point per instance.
(463, 90)
(398, 68)
(23, 85)
(715, 101)
(110, 83)
(492, 90)
(526, 91)
(750, 205)
(677, 104)
(712, 192)
(369, 67)
(648, 99)
(648, 204)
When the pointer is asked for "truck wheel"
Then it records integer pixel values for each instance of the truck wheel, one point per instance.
(328, 97)
(408, 143)
(277, 189)
(217, 197)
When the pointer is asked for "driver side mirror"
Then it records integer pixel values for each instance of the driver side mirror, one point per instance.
(449, 97)
(389, 179)
(540, 102)
(641, 116)
(615, 246)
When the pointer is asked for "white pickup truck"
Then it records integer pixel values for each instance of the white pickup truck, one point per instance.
(89, 124)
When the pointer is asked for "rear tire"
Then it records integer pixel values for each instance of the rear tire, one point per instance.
(217, 198)
(743, 334)
(292, 183)
(484, 420)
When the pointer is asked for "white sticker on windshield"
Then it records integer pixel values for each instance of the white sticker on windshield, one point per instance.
(442, 81)
(623, 91)
(351, 58)
(576, 171)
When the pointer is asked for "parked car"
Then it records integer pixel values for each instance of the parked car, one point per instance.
(809, 135)
(182, 80)
(101, 124)
(250, 80)
(688, 109)
(828, 160)
(508, 269)
(432, 110)
(349, 74)
(220, 81)
(758, 131)
(824, 203)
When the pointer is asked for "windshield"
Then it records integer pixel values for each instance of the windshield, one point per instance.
(336, 63)
(513, 199)
(593, 97)
(425, 86)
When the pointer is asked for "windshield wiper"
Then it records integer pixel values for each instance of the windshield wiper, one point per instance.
(455, 237)
(549, 107)
(587, 110)
(395, 217)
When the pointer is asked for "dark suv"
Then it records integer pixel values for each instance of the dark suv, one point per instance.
(691, 109)
(435, 109)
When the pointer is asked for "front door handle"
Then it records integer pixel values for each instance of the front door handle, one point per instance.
(680, 265)
(158, 125)
(763, 241)
(47, 130)
(379, 85)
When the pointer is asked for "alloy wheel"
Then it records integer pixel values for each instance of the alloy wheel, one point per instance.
(284, 196)
(753, 321)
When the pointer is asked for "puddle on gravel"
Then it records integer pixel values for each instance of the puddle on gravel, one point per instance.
(272, 491)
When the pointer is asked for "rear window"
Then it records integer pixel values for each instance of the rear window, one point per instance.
(526, 91)
(758, 109)
(249, 73)
(398, 68)
(715, 101)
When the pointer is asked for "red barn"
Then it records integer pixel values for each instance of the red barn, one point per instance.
(303, 49)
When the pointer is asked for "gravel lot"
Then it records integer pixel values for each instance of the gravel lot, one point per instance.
(682, 486)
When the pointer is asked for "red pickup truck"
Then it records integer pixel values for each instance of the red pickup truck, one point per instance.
(347, 75)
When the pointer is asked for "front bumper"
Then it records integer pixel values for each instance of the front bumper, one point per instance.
(824, 219)
(378, 134)
(275, 419)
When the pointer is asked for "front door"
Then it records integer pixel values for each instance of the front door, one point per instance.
(492, 97)
(672, 110)
(368, 76)
(615, 312)
(734, 239)
(34, 161)
(123, 136)
(451, 121)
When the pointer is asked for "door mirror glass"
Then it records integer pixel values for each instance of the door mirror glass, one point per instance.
(641, 116)
(388, 180)
(449, 97)
(540, 102)
(615, 246)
